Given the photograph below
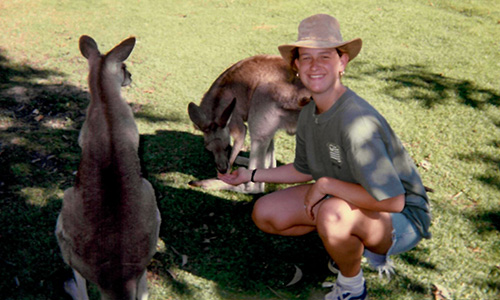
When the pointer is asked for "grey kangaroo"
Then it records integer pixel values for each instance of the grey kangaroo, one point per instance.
(260, 90)
(108, 227)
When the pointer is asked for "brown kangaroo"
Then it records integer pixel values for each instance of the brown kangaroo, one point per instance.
(260, 90)
(109, 223)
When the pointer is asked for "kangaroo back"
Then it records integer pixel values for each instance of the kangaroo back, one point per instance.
(109, 223)
(259, 91)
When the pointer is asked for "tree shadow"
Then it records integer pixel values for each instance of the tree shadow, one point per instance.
(38, 155)
(404, 284)
(416, 82)
(186, 155)
(412, 258)
(491, 176)
(175, 151)
(17, 74)
(39, 123)
(141, 113)
(221, 244)
(218, 236)
(485, 221)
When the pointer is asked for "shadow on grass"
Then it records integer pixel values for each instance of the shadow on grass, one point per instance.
(222, 245)
(173, 151)
(39, 124)
(412, 258)
(217, 235)
(140, 114)
(404, 284)
(485, 220)
(491, 176)
(38, 155)
(416, 82)
(11, 73)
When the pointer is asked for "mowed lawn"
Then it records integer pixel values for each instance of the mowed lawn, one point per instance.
(431, 67)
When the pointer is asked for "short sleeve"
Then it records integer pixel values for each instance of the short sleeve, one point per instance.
(370, 162)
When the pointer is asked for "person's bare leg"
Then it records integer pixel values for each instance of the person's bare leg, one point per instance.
(346, 230)
(282, 212)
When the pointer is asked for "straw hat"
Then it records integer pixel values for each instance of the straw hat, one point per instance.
(321, 31)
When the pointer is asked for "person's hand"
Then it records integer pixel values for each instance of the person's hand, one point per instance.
(313, 196)
(239, 176)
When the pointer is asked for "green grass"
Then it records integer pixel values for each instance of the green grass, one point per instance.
(431, 67)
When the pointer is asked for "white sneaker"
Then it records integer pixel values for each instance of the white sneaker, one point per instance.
(387, 269)
(340, 293)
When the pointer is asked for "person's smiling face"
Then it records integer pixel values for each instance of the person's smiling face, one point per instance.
(319, 70)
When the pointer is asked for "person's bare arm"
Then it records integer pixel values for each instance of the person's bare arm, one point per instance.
(282, 174)
(352, 193)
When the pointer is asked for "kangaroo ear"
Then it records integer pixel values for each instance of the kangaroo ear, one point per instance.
(198, 117)
(121, 51)
(88, 46)
(226, 114)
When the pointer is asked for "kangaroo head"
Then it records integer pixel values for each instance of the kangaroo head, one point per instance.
(112, 62)
(107, 73)
(215, 133)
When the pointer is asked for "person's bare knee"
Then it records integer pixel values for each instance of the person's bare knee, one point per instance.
(263, 215)
(335, 220)
(282, 212)
(335, 225)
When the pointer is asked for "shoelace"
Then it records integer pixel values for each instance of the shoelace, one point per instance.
(335, 294)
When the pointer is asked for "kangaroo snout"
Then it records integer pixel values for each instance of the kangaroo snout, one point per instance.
(222, 168)
(222, 162)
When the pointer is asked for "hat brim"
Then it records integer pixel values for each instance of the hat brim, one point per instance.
(352, 47)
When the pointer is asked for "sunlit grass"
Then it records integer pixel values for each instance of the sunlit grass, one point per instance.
(430, 67)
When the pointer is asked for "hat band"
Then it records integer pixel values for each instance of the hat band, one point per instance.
(318, 39)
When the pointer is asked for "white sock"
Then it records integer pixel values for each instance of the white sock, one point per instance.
(354, 284)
